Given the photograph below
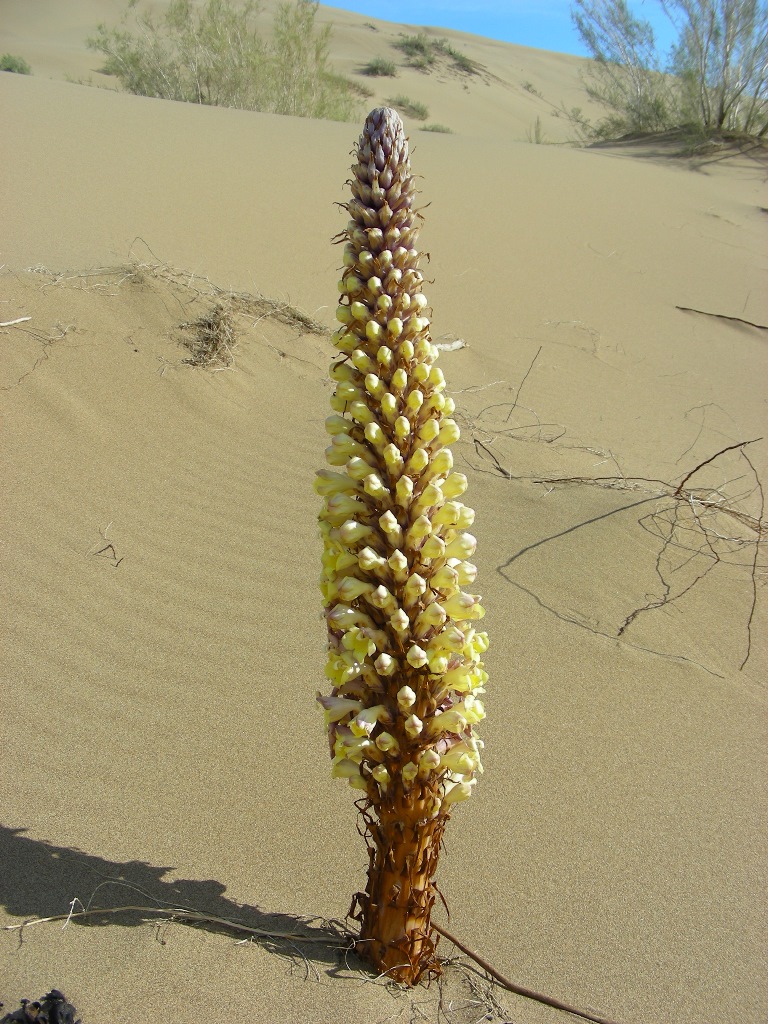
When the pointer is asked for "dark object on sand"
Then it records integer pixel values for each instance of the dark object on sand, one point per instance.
(51, 1009)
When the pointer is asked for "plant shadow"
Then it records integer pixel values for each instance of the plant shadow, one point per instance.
(41, 880)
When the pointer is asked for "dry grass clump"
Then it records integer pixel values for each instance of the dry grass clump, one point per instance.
(212, 338)
(223, 316)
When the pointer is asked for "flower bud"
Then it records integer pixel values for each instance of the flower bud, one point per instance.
(398, 563)
(404, 491)
(418, 462)
(370, 561)
(416, 657)
(406, 698)
(449, 432)
(386, 665)
(428, 762)
(386, 742)
(433, 547)
(455, 485)
(462, 546)
(413, 726)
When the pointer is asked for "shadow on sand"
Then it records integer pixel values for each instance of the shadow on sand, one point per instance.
(41, 880)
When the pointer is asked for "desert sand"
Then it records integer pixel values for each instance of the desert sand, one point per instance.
(162, 630)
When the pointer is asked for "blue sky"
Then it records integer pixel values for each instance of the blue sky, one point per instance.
(544, 24)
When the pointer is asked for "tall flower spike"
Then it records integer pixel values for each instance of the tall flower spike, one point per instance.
(404, 655)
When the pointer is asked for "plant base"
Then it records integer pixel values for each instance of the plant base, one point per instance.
(394, 911)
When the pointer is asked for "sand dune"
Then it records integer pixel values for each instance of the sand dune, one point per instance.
(163, 639)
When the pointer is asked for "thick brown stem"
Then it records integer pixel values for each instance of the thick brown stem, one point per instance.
(404, 846)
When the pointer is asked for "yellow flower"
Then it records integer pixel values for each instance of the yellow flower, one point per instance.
(404, 658)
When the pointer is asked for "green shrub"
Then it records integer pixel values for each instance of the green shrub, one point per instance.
(215, 55)
(16, 64)
(459, 60)
(625, 76)
(298, 65)
(409, 107)
(423, 52)
(378, 67)
(437, 128)
(716, 81)
(419, 50)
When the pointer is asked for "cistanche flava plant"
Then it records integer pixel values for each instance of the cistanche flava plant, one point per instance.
(404, 654)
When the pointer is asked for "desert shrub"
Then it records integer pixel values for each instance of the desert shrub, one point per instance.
(531, 88)
(215, 55)
(720, 64)
(303, 83)
(423, 53)
(379, 67)
(625, 76)
(418, 49)
(437, 128)
(459, 60)
(409, 107)
(716, 80)
(8, 62)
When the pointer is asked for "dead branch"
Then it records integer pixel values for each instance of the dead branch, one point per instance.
(706, 462)
(504, 472)
(722, 316)
(525, 378)
(186, 916)
(172, 913)
(520, 990)
(702, 504)
(754, 565)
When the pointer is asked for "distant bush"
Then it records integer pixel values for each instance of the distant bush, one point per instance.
(437, 128)
(459, 60)
(16, 64)
(215, 55)
(419, 50)
(409, 107)
(531, 88)
(716, 80)
(423, 53)
(380, 67)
